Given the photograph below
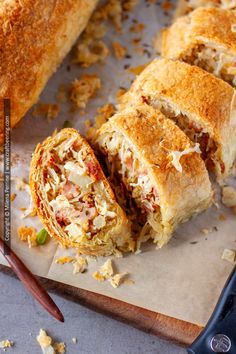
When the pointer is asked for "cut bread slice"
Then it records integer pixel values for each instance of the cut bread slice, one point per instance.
(203, 106)
(74, 199)
(159, 166)
(184, 7)
(207, 38)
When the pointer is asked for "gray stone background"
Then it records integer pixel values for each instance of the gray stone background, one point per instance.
(21, 318)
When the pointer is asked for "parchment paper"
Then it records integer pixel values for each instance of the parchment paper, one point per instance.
(182, 280)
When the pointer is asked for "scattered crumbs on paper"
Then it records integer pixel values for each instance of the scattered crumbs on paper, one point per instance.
(65, 259)
(229, 255)
(43, 339)
(13, 197)
(48, 110)
(106, 272)
(98, 276)
(166, 5)
(61, 94)
(6, 344)
(228, 196)
(47, 344)
(107, 269)
(222, 217)
(91, 47)
(137, 27)
(83, 89)
(59, 348)
(80, 265)
(136, 70)
(117, 279)
(21, 185)
(119, 50)
(28, 234)
(104, 113)
(206, 231)
(74, 340)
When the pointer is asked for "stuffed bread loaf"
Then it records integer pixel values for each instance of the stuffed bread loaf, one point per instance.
(160, 167)
(203, 106)
(74, 199)
(35, 36)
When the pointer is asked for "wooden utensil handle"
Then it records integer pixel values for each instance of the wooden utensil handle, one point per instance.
(30, 282)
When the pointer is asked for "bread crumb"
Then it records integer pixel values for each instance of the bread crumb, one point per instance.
(48, 110)
(28, 234)
(228, 255)
(117, 279)
(60, 348)
(43, 339)
(74, 340)
(80, 265)
(6, 344)
(97, 276)
(61, 94)
(119, 50)
(128, 5)
(63, 260)
(228, 196)
(107, 269)
(90, 52)
(104, 113)
(167, 5)
(83, 89)
(205, 231)
(137, 27)
(222, 217)
(13, 197)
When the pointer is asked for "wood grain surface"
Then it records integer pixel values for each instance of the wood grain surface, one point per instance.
(172, 329)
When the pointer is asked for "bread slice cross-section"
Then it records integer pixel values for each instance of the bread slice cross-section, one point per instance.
(74, 199)
(207, 38)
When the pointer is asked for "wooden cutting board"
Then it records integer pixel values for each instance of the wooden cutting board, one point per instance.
(172, 329)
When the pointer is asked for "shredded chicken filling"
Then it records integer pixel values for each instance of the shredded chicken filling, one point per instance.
(76, 193)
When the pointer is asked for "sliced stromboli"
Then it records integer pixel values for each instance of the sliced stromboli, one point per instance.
(186, 6)
(207, 38)
(74, 199)
(202, 105)
(159, 166)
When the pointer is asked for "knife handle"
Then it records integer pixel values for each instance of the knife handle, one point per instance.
(219, 335)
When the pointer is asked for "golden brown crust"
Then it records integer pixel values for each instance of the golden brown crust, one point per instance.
(201, 96)
(184, 6)
(202, 26)
(46, 214)
(153, 137)
(35, 36)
